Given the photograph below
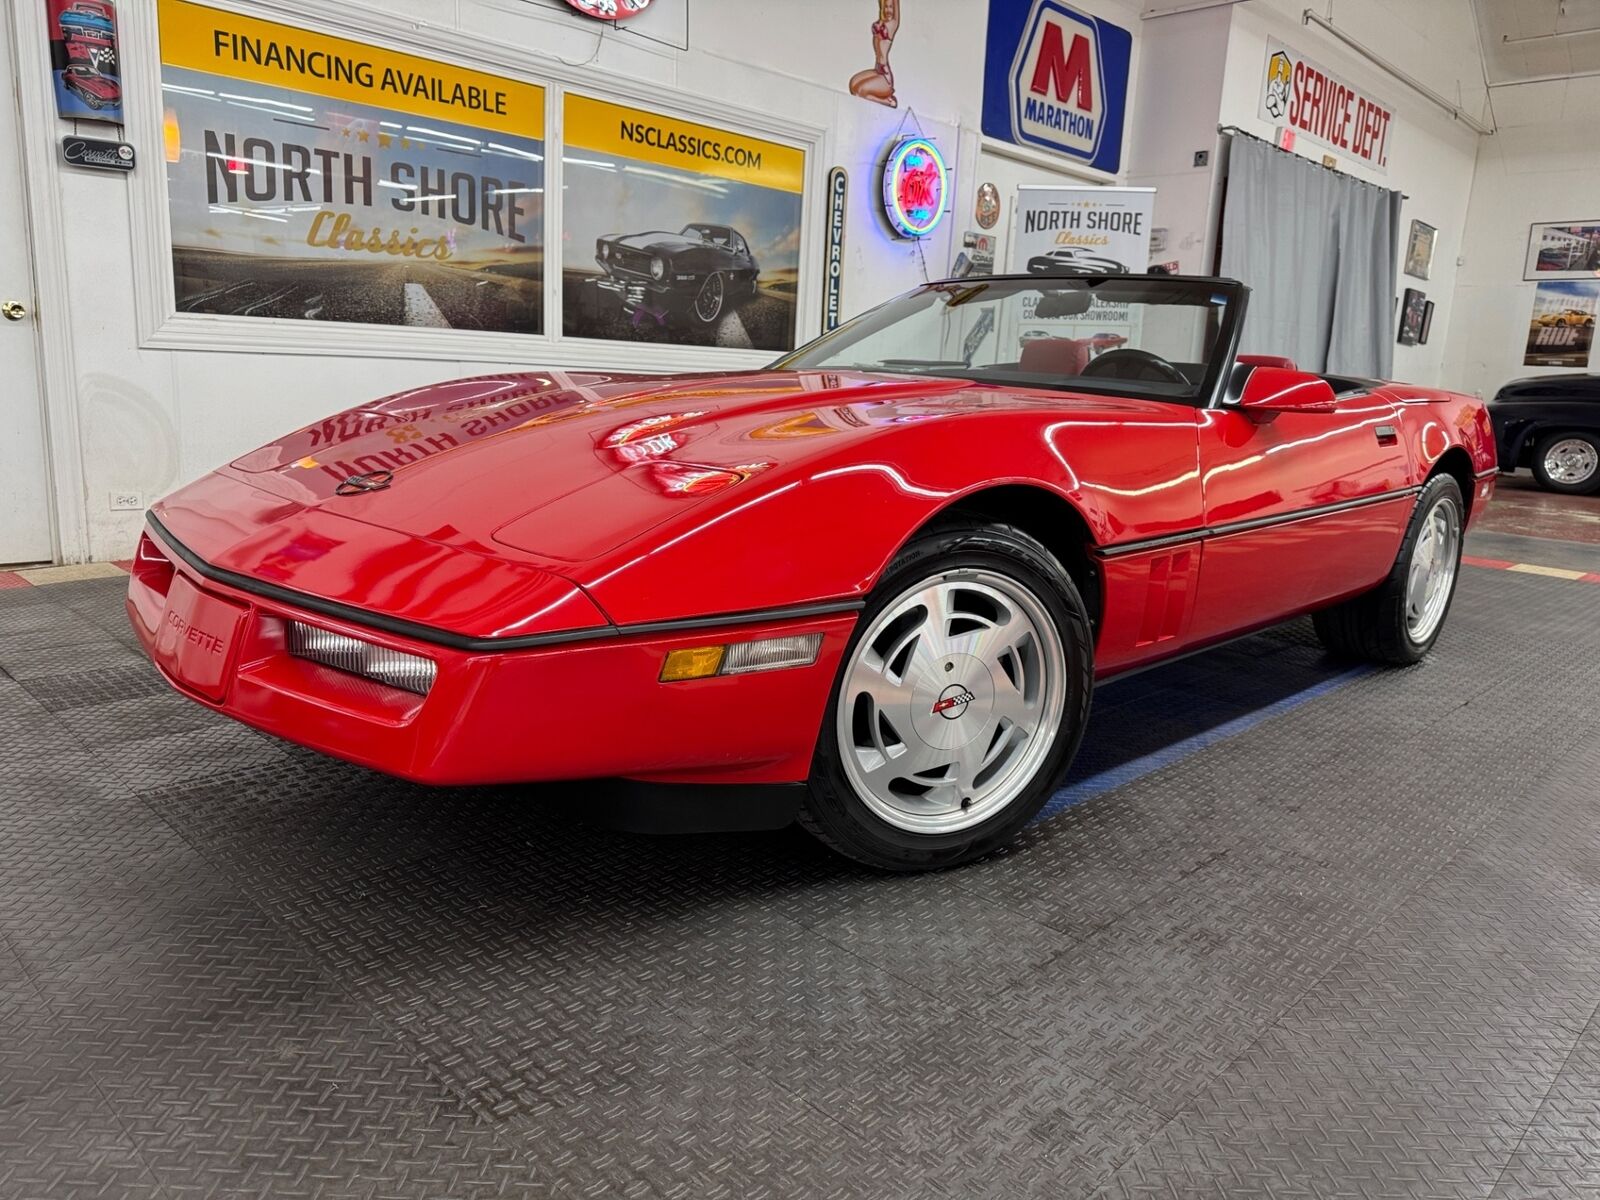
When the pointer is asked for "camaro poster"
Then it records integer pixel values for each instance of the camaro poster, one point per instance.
(1088, 230)
(316, 178)
(83, 59)
(1561, 331)
(677, 232)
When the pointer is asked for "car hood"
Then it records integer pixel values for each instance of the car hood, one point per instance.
(560, 466)
(544, 474)
(667, 242)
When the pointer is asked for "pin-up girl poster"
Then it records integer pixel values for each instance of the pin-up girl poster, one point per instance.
(876, 83)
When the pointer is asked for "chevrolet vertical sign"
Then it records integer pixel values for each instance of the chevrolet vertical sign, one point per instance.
(1057, 79)
(833, 272)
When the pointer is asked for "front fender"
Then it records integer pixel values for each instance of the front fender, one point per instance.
(825, 526)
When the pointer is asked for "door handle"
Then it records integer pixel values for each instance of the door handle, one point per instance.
(1388, 435)
(11, 310)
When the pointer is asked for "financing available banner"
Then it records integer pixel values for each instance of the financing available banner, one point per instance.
(317, 178)
(1561, 330)
(674, 231)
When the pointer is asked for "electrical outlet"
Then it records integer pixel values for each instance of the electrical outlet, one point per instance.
(127, 501)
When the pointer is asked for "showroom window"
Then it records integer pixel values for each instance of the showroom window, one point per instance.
(420, 194)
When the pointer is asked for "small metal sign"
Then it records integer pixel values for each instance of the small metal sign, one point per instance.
(833, 273)
(97, 153)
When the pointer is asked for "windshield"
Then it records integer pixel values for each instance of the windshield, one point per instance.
(1161, 337)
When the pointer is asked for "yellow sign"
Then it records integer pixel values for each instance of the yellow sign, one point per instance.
(197, 38)
(665, 141)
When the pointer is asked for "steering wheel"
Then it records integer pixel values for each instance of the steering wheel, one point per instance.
(1128, 363)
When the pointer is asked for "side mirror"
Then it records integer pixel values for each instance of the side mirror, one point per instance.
(1273, 390)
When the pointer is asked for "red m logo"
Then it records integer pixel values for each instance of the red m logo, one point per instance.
(1063, 70)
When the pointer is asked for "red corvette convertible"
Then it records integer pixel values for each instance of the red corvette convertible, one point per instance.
(886, 571)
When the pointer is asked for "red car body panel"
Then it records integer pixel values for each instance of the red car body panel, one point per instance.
(548, 538)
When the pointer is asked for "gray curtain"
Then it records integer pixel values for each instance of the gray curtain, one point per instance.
(1320, 252)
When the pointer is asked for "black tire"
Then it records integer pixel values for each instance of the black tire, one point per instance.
(1581, 487)
(1373, 626)
(712, 298)
(835, 813)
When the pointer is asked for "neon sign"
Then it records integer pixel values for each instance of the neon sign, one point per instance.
(914, 184)
(610, 10)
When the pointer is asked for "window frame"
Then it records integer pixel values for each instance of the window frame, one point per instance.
(162, 327)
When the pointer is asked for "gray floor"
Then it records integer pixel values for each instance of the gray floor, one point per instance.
(1352, 950)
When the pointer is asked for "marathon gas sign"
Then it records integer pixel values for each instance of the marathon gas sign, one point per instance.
(1057, 79)
(1303, 96)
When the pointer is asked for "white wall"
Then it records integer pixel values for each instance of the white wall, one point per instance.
(1182, 81)
(1431, 156)
(1543, 165)
(153, 418)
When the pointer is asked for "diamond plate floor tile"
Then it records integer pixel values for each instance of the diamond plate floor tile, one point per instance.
(1416, 1064)
(1352, 951)
(1559, 1154)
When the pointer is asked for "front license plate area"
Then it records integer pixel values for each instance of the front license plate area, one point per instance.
(199, 633)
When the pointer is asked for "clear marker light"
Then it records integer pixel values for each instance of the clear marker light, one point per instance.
(394, 668)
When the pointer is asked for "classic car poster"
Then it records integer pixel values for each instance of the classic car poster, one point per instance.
(83, 59)
(1412, 309)
(1073, 231)
(1419, 249)
(316, 178)
(1561, 331)
(677, 232)
(1563, 250)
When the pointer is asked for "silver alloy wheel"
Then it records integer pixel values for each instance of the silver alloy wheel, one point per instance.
(708, 304)
(1435, 559)
(1571, 461)
(951, 701)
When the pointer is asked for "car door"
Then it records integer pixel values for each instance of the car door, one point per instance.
(1301, 508)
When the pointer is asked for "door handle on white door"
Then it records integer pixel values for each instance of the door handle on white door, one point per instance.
(11, 310)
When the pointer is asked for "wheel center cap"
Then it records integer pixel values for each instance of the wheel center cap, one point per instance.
(953, 702)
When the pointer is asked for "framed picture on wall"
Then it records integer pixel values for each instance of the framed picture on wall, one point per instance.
(1413, 308)
(1563, 250)
(1427, 323)
(1419, 249)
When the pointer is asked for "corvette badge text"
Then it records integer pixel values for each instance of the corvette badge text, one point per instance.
(196, 636)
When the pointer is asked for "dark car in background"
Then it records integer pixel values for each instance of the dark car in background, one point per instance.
(1551, 424)
(699, 273)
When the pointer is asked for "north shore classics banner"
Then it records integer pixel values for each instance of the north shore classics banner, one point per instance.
(317, 178)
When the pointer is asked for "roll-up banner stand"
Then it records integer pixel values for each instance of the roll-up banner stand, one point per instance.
(1071, 231)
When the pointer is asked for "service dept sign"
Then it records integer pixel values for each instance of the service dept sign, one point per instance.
(1300, 94)
(1057, 79)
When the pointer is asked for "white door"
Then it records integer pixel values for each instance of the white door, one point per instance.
(24, 481)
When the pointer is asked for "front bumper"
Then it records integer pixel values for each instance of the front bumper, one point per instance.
(645, 293)
(589, 709)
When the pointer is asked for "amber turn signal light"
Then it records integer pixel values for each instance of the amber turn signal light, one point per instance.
(700, 662)
(742, 658)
